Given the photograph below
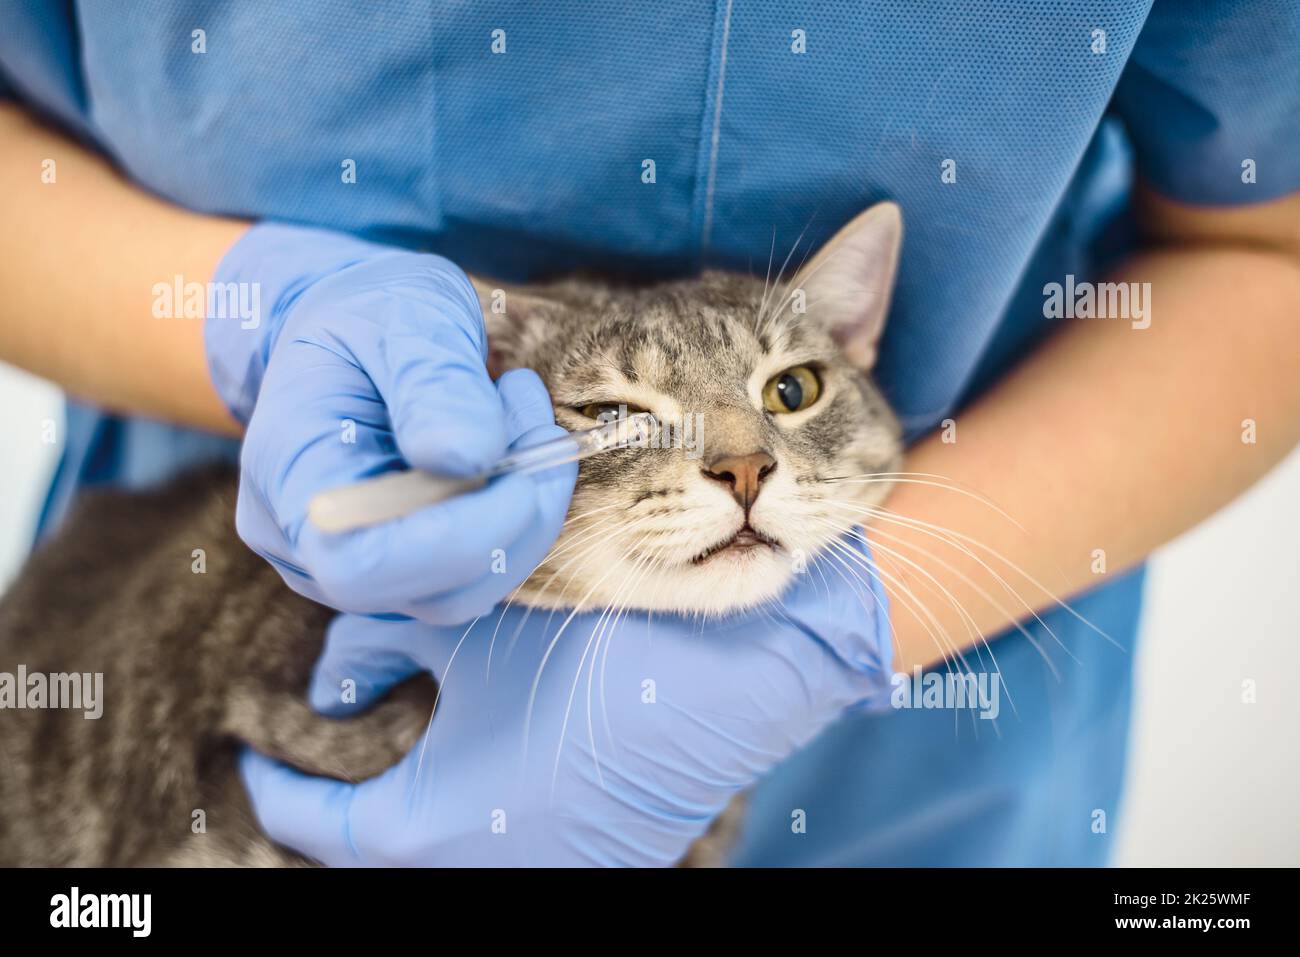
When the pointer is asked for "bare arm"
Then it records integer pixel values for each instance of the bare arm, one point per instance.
(79, 258)
(1111, 437)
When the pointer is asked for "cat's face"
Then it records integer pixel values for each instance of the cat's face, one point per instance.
(776, 421)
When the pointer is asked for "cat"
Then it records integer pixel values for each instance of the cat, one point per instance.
(197, 664)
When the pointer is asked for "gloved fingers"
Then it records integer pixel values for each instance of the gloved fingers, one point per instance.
(389, 567)
(512, 541)
(447, 415)
(526, 402)
(479, 598)
(257, 528)
(530, 421)
(309, 814)
(318, 424)
(511, 566)
(295, 449)
(361, 660)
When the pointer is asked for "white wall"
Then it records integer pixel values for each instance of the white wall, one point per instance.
(1213, 781)
(26, 460)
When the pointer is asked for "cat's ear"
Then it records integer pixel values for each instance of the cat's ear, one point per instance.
(848, 284)
(506, 314)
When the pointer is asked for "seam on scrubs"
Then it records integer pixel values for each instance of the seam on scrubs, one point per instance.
(711, 123)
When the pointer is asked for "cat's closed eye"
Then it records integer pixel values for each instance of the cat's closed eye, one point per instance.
(606, 411)
(793, 390)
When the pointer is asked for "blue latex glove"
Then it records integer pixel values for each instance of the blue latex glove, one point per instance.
(365, 359)
(639, 734)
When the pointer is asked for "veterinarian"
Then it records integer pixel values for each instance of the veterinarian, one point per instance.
(375, 157)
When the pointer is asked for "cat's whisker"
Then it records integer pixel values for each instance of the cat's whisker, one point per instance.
(941, 534)
(601, 523)
(437, 696)
(878, 532)
(655, 565)
(576, 535)
(904, 596)
(950, 484)
(857, 584)
(591, 531)
(887, 514)
(599, 538)
(550, 648)
(770, 613)
(572, 549)
(573, 690)
(822, 575)
(932, 584)
(492, 642)
(918, 609)
(574, 519)
(607, 639)
(949, 660)
(593, 537)
(763, 317)
(841, 527)
(882, 610)
(566, 547)
(923, 478)
(938, 634)
(768, 277)
(630, 583)
(780, 308)
(629, 525)
(977, 637)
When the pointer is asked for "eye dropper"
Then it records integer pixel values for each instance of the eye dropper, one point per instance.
(395, 494)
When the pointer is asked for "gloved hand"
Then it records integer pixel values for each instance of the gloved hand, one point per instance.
(566, 742)
(366, 358)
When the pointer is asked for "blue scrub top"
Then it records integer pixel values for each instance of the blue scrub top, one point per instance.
(791, 116)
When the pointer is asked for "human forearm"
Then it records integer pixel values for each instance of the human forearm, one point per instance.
(1109, 438)
(79, 260)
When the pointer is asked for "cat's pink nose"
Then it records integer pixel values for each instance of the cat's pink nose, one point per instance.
(744, 473)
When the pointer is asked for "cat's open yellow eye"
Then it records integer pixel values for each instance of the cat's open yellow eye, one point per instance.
(792, 390)
(607, 411)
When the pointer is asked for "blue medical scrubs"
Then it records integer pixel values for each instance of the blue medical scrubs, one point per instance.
(534, 158)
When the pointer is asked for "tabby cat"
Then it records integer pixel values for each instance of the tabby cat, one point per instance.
(194, 665)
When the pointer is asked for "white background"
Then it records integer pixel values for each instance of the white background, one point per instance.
(1212, 780)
